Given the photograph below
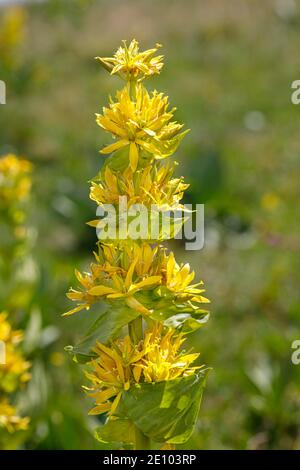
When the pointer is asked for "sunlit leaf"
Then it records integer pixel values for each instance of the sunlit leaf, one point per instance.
(166, 411)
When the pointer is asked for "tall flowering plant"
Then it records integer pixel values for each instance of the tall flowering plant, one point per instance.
(147, 386)
(15, 183)
(14, 373)
(15, 187)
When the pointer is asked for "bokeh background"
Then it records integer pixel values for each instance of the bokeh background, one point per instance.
(229, 67)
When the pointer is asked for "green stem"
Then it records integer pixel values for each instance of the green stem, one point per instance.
(135, 328)
(132, 89)
(142, 442)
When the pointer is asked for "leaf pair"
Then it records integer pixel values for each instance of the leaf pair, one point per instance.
(163, 411)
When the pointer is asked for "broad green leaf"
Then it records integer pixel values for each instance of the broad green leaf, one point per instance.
(186, 322)
(165, 148)
(116, 433)
(105, 327)
(184, 316)
(166, 411)
(119, 160)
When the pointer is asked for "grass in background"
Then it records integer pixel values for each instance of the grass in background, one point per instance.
(236, 62)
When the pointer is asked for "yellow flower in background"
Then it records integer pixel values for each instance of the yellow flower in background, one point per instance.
(15, 180)
(9, 418)
(131, 64)
(270, 201)
(156, 358)
(141, 123)
(12, 26)
(148, 186)
(57, 359)
(12, 34)
(15, 371)
(13, 374)
(7, 334)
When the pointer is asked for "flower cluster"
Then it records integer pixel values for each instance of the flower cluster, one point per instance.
(15, 181)
(142, 285)
(156, 358)
(9, 419)
(152, 185)
(15, 186)
(131, 64)
(142, 125)
(14, 372)
(13, 25)
(136, 273)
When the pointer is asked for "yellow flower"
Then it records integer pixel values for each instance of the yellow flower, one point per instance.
(131, 64)
(7, 334)
(142, 123)
(12, 34)
(112, 373)
(57, 359)
(9, 419)
(156, 358)
(270, 201)
(15, 182)
(163, 359)
(14, 372)
(120, 272)
(178, 279)
(124, 271)
(152, 185)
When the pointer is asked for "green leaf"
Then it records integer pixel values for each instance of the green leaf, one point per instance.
(105, 328)
(166, 411)
(184, 315)
(116, 433)
(118, 161)
(186, 322)
(165, 148)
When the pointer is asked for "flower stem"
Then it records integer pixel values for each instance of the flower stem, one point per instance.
(142, 442)
(135, 328)
(132, 89)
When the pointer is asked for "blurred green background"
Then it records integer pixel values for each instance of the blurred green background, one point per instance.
(229, 66)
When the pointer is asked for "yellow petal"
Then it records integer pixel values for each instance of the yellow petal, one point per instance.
(115, 146)
(136, 305)
(137, 371)
(104, 395)
(128, 279)
(115, 403)
(93, 223)
(133, 156)
(101, 290)
(149, 281)
(76, 309)
(97, 410)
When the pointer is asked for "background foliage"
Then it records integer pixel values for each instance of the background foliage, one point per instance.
(229, 67)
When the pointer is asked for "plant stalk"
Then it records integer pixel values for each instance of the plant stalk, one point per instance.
(135, 328)
(142, 442)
